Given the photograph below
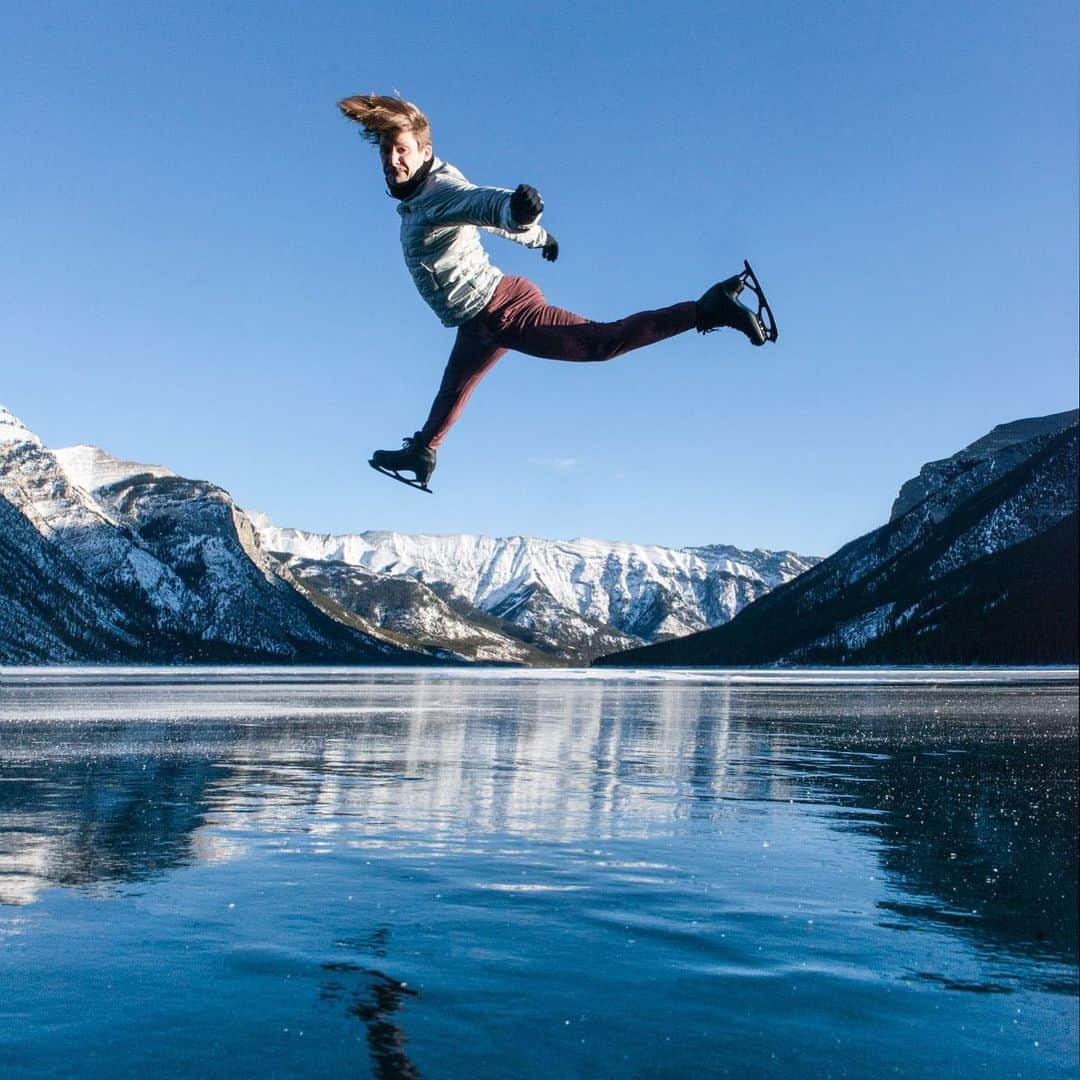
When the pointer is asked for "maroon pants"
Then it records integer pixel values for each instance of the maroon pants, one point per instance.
(518, 317)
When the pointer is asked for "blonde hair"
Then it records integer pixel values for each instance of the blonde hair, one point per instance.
(382, 117)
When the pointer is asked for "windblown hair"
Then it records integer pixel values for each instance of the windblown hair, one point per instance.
(382, 116)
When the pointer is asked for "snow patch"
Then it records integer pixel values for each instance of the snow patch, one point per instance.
(90, 467)
(858, 632)
(13, 430)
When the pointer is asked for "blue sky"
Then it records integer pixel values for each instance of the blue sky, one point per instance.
(202, 269)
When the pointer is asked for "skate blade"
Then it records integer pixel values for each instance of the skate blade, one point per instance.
(414, 483)
(764, 313)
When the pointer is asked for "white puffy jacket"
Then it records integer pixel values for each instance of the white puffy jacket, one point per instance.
(442, 246)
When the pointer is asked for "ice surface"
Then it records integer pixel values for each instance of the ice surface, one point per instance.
(356, 869)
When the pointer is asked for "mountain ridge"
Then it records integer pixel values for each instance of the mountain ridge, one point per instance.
(638, 591)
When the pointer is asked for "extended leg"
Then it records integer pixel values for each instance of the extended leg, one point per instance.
(535, 327)
(470, 360)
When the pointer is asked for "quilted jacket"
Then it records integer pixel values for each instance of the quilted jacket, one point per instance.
(440, 225)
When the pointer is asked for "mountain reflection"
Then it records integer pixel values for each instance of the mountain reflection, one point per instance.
(981, 839)
(969, 795)
(85, 823)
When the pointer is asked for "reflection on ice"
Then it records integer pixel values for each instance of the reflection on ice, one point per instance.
(964, 781)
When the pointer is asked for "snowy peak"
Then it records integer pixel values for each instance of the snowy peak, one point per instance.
(644, 591)
(13, 430)
(91, 468)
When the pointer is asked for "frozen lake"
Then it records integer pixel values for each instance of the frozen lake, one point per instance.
(467, 873)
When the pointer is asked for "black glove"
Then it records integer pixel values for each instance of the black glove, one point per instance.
(550, 250)
(526, 205)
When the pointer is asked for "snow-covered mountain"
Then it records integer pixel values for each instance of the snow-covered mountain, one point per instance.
(978, 564)
(50, 608)
(574, 599)
(110, 560)
(107, 559)
(418, 614)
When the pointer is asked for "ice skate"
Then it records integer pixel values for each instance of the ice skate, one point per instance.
(414, 456)
(720, 306)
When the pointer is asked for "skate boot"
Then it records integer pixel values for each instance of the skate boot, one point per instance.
(720, 306)
(415, 456)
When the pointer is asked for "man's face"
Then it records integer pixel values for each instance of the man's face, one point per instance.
(401, 156)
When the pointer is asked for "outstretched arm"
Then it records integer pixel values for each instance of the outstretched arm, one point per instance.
(457, 202)
(513, 215)
(463, 203)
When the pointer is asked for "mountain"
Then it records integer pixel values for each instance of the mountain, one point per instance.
(417, 613)
(977, 564)
(567, 601)
(110, 560)
(50, 609)
(944, 482)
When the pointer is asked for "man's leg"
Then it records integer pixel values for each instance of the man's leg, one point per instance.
(535, 327)
(470, 360)
(519, 318)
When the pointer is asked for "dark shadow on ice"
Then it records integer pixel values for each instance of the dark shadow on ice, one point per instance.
(373, 998)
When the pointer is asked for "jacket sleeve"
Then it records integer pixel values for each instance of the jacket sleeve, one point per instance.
(533, 237)
(457, 202)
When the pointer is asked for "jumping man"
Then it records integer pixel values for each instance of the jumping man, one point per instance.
(494, 312)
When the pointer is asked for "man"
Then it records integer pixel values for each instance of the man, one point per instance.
(440, 215)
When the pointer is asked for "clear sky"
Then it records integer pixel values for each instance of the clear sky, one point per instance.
(201, 269)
